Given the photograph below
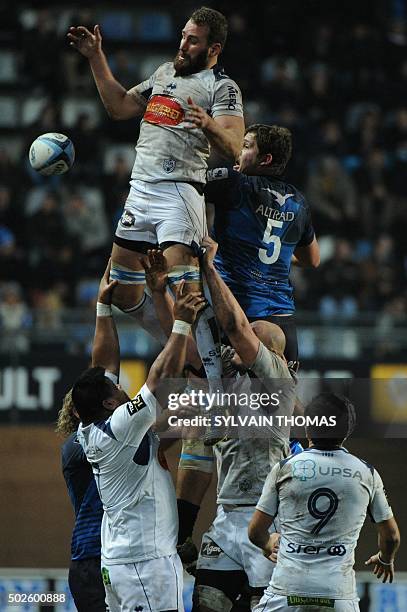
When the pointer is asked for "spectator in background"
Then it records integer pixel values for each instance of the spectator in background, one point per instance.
(116, 186)
(13, 265)
(389, 332)
(86, 222)
(124, 68)
(338, 280)
(10, 174)
(47, 229)
(369, 133)
(15, 317)
(40, 53)
(88, 149)
(280, 79)
(331, 192)
(10, 214)
(376, 200)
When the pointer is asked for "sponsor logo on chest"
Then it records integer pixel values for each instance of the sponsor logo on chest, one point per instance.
(164, 110)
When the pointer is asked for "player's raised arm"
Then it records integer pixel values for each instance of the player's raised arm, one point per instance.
(106, 348)
(156, 269)
(227, 310)
(170, 362)
(119, 103)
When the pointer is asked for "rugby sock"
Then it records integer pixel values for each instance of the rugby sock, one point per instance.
(187, 513)
(144, 313)
(205, 329)
(208, 343)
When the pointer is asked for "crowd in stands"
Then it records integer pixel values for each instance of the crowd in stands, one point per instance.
(338, 81)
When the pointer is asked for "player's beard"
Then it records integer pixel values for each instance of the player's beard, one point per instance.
(188, 65)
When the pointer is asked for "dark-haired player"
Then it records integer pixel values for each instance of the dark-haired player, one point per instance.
(321, 497)
(140, 523)
(262, 225)
(188, 106)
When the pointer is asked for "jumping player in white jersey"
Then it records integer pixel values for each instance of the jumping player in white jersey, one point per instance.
(140, 523)
(229, 565)
(188, 106)
(321, 497)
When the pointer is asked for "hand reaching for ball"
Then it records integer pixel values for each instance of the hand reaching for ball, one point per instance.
(84, 41)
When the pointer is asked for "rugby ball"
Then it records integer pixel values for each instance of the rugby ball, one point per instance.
(51, 154)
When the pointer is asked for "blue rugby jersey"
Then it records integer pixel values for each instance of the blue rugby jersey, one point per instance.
(259, 221)
(85, 500)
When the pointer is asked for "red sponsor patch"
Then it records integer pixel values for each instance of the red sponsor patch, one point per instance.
(164, 110)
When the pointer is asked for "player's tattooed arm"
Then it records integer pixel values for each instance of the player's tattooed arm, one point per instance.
(119, 103)
(106, 348)
(225, 133)
(229, 314)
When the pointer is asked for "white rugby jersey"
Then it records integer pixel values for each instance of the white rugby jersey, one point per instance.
(140, 520)
(322, 498)
(166, 150)
(243, 464)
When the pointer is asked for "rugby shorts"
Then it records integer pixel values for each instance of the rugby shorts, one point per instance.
(154, 585)
(162, 212)
(226, 546)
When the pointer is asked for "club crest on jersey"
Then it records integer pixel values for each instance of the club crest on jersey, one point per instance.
(280, 198)
(135, 405)
(245, 485)
(169, 165)
(217, 174)
(170, 87)
(164, 110)
(127, 218)
(304, 469)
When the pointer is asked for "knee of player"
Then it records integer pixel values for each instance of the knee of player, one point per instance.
(195, 456)
(211, 599)
(129, 291)
(188, 273)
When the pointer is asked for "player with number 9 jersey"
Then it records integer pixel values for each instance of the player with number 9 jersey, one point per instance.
(321, 497)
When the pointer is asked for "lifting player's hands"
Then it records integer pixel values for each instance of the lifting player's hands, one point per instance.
(187, 305)
(272, 546)
(209, 249)
(106, 286)
(84, 41)
(156, 268)
(196, 116)
(380, 568)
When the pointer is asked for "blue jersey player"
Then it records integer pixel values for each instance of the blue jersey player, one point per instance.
(85, 579)
(262, 225)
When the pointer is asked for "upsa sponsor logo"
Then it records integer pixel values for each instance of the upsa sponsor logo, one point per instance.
(164, 110)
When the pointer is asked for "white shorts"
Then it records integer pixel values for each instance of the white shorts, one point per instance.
(151, 586)
(163, 212)
(226, 547)
(280, 603)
